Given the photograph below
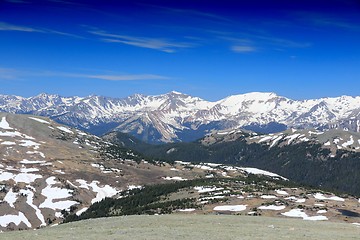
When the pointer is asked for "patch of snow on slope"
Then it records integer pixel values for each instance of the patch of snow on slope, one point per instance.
(4, 176)
(39, 120)
(276, 140)
(64, 129)
(187, 210)
(292, 137)
(268, 196)
(8, 143)
(26, 177)
(348, 143)
(36, 152)
(83, 183)
(102, 192)
(300, 214)
(10, 198)
(29, 143)
(261, 172)
(51, 193)
(202, 189)
(272, 207)
(175, 178)
(16, 219)
(78, 213)
(30, 202)
(25, 161)
(27, 170)
(320, 196)
(4, 124)
(281, 192)
(231, 208)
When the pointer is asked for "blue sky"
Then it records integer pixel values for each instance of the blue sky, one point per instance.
(211, 49)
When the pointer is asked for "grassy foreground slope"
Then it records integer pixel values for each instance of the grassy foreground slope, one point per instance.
(183, 226)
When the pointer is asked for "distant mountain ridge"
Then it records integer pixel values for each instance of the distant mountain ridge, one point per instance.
(176, 117)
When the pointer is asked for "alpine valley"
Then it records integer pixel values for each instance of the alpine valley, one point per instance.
(51, 174)
(255, 154)
(175, 117)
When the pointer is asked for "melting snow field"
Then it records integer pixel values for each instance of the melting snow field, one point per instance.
(261, 172)
(101, 192)
(78, 213)
(4, 124)
(175, 178)
(207, 189)
(300, 214)
(187, 210)
(64, 129)
(39, 120)
(231, 208)
(17, 219)
(10, 198)
(272, 207)
(25, 161)
(51, 193)
(320, 196)
(268, 196)
(29, 201)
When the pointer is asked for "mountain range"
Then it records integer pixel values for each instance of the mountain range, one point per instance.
(50, 172)
(174, 116)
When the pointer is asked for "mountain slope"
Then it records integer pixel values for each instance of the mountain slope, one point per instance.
(48, 171)
(176, 117)
(329, 159)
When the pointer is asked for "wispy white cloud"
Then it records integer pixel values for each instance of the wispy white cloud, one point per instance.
(11, 73)
(328, 20)
(7, 73)
(133, 77)
(243, 49)
(159, 44)
(252, 42)
(196, 13)
(11, 27)
(333, 22)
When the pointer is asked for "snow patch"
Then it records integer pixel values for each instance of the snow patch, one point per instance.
(10, 198)
(207, 189)
(16, 219)
(4, 124)
(52, 193)
(320, 196)
(78, 213)
(231, 208)
(272, 207)
(281, 192)
(64, 129)
(39, 120)
(25, 161)
(175, 178)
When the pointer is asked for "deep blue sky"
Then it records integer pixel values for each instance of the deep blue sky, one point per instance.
(211, 49)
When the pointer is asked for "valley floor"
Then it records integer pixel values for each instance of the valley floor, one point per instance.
(190, 226)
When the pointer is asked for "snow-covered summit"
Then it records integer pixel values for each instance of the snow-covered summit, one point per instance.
(169, 116)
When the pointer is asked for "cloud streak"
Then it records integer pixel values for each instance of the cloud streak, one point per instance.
(243, 49)
(134, 77)
(11, 27)
(10, 73)
(143, 42)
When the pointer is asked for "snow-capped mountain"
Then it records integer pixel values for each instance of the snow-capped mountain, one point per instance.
(179, 117)
(49, 171)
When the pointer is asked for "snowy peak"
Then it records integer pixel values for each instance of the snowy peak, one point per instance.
(175, 114)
